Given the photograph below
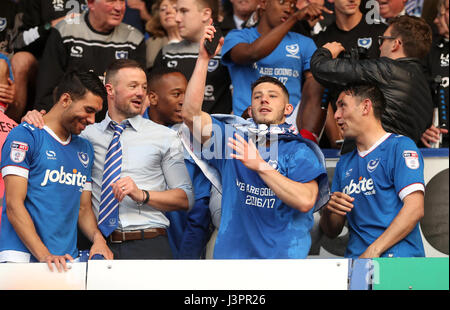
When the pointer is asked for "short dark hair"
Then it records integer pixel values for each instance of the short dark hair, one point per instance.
(213, 5)
(156, 73)
(77, 84)
(118, 64)
(368, 91)
(270, 79)
(415, 33)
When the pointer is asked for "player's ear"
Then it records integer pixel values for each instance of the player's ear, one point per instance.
(288, 109)
(90, 3)
(152, 98)
(397, 44)
(65, 100)
(247, 113)
(109, 89)
(367, 106)
(206, 15)
(262, 4)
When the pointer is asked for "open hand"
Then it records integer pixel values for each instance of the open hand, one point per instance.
(247, 153)
(34, 117)
(58, 260)
(99, 246)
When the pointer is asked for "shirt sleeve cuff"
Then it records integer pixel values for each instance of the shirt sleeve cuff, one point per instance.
(410, 189)
(15, 170)
(87, 186)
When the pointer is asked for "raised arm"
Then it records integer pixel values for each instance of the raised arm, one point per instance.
(196, 120)
(245, 53)
(329, 70)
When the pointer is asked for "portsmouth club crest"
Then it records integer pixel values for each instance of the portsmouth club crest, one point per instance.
(373, 164)
(112, 222)
(3, 23)
(293, 50)
(84, 159)
(172, 64)
(213, 64)
(274, 164)
(365, 42)
(121, 54)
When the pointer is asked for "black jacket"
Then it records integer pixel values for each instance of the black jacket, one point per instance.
(409, 106)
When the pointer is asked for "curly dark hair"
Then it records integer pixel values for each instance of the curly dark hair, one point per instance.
(369, 91)
(77, 84)
(415, 33)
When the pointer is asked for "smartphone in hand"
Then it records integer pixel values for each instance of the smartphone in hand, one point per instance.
(211, 46)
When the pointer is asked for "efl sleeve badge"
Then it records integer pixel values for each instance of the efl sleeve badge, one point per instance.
(411, 159)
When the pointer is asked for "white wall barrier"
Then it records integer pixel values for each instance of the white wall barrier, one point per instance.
(318, 273)
(37, 276)
(295, 274)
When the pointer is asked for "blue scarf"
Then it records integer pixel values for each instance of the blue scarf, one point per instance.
(273, 132)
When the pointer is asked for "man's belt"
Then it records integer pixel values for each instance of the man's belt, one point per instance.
(118, 236)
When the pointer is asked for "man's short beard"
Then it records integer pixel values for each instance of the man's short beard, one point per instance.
(276, 121)
(128, 113)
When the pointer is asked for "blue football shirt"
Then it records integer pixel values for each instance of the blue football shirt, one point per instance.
(379, 179)
(286, 63)
(255, 223)
(57, 172)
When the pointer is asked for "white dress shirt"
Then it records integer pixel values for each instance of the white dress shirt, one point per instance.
(152, 156)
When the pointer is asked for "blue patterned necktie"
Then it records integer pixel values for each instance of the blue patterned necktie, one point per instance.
(108, 216)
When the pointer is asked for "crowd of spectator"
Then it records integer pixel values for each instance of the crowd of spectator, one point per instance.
(88, 35)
